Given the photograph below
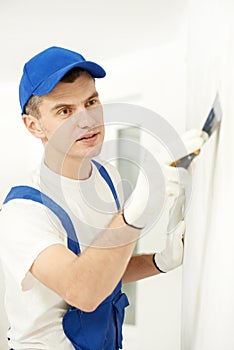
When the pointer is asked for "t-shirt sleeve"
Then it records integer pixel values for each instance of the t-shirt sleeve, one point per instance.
(26, 229)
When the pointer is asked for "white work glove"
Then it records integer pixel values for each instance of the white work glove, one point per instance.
(172, 255)
(194, 139)
(141, 207)
(148, 197)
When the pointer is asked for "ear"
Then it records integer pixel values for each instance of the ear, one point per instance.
(33, 125)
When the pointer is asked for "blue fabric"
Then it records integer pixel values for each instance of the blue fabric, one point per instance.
(27, 192)
(43, 71)
(102, 328)
(106, 176)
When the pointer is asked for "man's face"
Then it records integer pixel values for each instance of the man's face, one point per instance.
(72, 118)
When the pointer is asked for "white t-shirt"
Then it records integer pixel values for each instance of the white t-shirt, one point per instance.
(26, 228)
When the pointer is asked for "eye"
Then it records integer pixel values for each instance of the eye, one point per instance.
(65, 112)
(92, 102)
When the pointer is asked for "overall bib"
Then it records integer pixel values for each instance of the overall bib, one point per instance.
(102, 328)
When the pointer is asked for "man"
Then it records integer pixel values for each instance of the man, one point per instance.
(57, 248)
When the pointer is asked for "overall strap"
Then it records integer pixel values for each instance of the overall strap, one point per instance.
(27, 192)
(108, 180)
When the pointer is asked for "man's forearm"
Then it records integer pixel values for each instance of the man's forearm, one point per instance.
(101, 266)
(139, 267)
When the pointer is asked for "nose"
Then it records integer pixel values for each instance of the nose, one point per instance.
(88, 118)
(85, 119)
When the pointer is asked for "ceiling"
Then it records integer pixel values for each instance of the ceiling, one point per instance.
(100, 30)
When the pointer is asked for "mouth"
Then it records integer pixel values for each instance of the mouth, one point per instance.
(89, 137)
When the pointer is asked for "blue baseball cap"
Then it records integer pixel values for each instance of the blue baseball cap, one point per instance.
(43, 71)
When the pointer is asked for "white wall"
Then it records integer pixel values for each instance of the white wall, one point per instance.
(208, 282)
(142, 45)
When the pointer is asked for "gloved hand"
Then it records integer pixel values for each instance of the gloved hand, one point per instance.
(172, 255)
(148, 197)
(194, 139)
(141, 206)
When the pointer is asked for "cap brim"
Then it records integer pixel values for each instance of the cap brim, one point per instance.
(94, 69)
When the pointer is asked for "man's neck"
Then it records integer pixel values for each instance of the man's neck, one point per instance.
(76, 169)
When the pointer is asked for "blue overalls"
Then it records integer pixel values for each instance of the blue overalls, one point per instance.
(102, 328)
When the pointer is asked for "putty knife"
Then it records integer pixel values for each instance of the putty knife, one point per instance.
(211, 124)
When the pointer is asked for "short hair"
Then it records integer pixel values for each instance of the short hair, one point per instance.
(32, 106)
